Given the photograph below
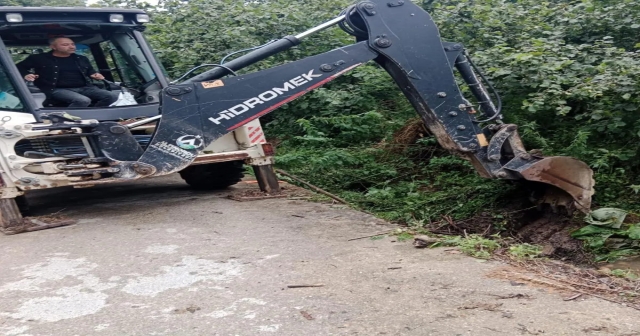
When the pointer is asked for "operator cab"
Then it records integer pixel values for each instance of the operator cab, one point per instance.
(110, 38)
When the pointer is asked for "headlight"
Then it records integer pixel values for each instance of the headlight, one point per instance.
(142, 18)
(116, 18)
(14, 17)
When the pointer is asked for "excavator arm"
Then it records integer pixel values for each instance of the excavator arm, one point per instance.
(404, 40)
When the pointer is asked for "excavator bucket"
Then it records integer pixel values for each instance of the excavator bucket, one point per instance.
(571, 182)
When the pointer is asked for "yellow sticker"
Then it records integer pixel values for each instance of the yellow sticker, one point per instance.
(211, 85)
(482, 140)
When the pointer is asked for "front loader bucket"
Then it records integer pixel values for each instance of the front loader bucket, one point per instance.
(567, 174)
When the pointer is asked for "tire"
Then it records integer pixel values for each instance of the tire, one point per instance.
(215, 176)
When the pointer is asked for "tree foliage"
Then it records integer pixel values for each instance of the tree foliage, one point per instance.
(567, 71)
(204, 31)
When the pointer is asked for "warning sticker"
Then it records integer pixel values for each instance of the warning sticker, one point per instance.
(212, 84)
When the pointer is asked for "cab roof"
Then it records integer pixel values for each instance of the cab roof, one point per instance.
(81, 15)
(47, 9)
(81, 24)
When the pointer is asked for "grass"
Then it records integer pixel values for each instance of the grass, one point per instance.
(625, 274)
(473, 245)
(525, 251)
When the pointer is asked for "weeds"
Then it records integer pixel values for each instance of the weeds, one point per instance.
(625, 274)
(608, 236)
(525, 251)
(473, 245)
(404, 236)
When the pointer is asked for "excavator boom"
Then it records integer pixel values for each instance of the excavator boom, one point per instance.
(404, 40)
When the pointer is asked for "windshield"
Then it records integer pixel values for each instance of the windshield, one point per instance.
(114, 53)
(128, 55)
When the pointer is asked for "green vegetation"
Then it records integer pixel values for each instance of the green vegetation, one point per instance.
(404, 236)
(525, 251)
(473, 245)
(611, 244)
(625, 274)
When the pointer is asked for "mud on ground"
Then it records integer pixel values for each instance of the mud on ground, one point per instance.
(551, 231)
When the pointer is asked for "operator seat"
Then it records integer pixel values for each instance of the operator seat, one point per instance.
(42, 101)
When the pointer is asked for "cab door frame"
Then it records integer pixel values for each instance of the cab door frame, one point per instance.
(16, 78)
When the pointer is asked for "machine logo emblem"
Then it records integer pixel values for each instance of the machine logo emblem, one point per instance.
(189, 142)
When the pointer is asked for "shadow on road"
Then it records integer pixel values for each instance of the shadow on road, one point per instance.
(45, 202)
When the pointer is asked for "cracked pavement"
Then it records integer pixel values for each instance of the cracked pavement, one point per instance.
(155, 258)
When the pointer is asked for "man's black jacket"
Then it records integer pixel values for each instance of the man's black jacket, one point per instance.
(46, 67)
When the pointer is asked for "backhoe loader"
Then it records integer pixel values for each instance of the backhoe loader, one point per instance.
(198, 126)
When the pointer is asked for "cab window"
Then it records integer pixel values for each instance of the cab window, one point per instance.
(9, 99)
(113, 50)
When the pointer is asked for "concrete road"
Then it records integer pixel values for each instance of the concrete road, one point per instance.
(155, 258)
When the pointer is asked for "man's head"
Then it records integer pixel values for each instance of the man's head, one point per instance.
(62, 46)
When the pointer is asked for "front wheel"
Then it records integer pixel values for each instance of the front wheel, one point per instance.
(214, 176)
